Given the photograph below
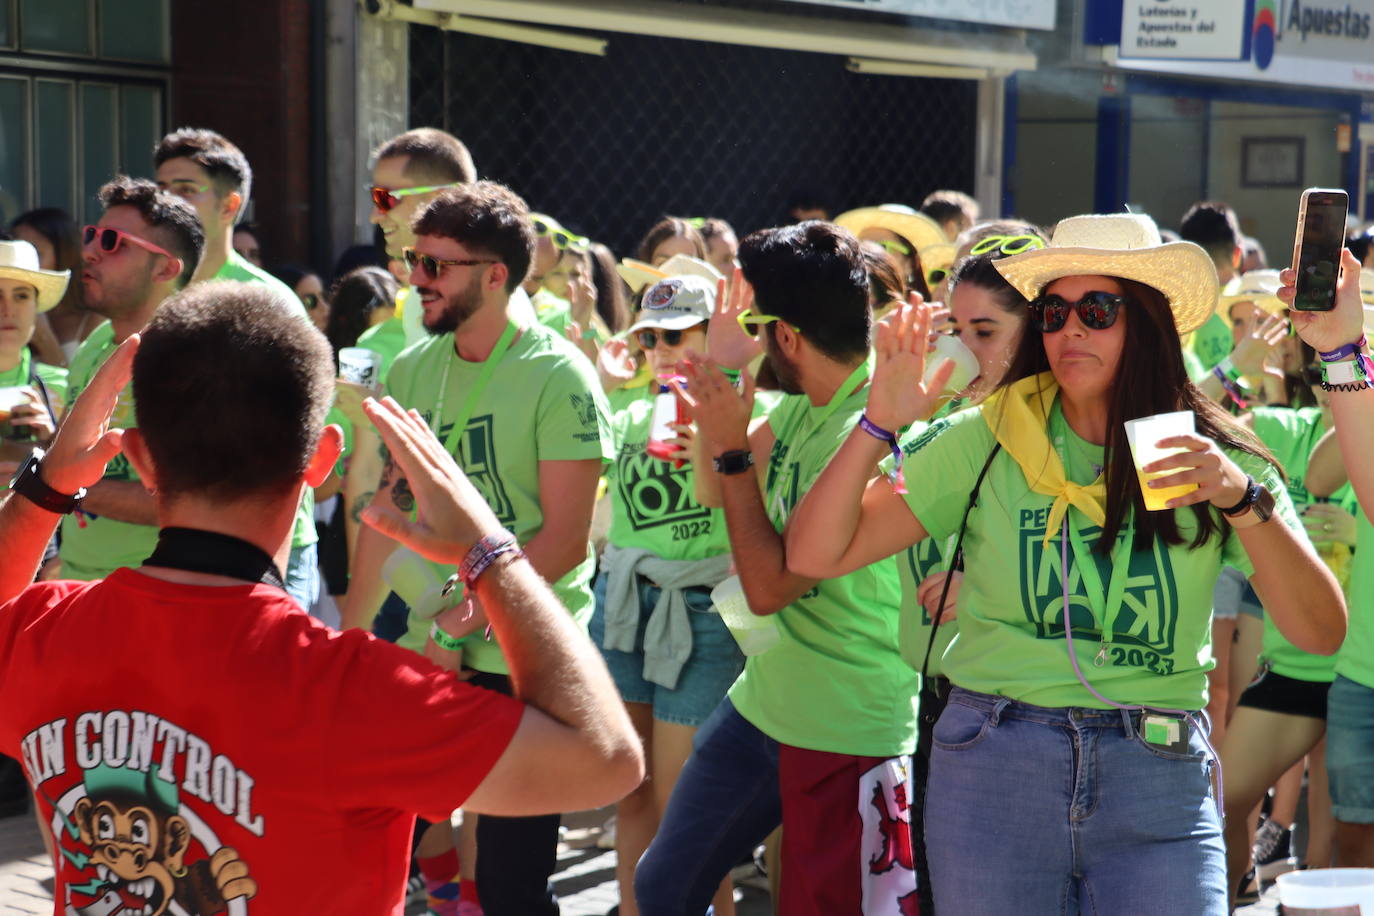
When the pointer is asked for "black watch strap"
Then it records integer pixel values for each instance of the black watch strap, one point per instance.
(1251, 494)
(28, 484)
(733, 462)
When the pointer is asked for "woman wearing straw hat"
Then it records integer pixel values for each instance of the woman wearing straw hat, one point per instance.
(1071, 765)
(32, 392)
(903, 233)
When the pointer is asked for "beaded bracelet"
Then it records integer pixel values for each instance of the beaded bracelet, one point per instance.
(877, 432)
(484, 553)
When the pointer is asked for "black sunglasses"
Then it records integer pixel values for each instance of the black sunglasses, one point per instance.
(649, 339)
(1097, 310)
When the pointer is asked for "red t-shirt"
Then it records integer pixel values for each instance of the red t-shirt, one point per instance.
(219, 748)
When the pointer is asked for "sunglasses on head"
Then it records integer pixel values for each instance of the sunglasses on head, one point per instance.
(894, 247)
(936, 275)
(1097, 310)
(648, 339)
(385, 199)
(110, 239)
(432, 266)
(562, 239)
(1007, 244)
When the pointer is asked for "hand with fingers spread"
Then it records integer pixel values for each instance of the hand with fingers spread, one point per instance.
(581, 298)
(450, 514)
(578, 336)
(1261, 333)
(1219, 480)
(615, 364)
(898, 394)
(726, 342)
(928, 594)
(1344, 324)
(85, 443)
(722, 413)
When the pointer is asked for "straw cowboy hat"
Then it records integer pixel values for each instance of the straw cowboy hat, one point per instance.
(919, 230)
(637, 274)
(19, 261)
(1125, 245)
(1258, 286)
(939, 256)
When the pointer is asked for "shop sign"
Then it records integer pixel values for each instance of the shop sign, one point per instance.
(1183, 29)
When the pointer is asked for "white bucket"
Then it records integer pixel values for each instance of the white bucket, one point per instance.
(754, 633)
(1328, 892)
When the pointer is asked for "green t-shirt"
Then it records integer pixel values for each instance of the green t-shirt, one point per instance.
(834, 681)
(94, 546)
(1291, 434)
(387, 340)
(653, 503)
(1356, 658)
(1011, 632)
(54, 378)
(236, 267)
(1193, 367)
(1211, 343)
(543, 402)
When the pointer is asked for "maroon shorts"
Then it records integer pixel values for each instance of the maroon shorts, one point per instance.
(847, 837)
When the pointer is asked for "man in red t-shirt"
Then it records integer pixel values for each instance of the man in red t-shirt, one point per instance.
(176, 720)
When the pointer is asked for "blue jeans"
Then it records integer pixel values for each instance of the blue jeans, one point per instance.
(1065, 811)
(1350, 750)
(725, 803)
(303, 576)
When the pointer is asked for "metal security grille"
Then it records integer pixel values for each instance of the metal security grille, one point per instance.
(608, 145)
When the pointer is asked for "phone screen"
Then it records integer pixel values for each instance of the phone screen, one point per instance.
(1319, 255)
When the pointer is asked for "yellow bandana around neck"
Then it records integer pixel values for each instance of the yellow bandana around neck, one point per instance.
(1019, 417)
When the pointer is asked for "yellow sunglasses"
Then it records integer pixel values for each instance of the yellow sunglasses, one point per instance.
(751, 322)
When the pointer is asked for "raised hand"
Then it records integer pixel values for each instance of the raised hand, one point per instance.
(722, 413)
(1344, 324)
(897, 394)
(85, 443)
(615, 364)
(450, 514)
(1260, 335)
(726, 342)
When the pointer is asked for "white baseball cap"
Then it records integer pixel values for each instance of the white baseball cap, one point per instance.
(677, 303)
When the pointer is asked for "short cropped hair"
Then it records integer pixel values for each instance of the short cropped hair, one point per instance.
(432, 156)
(223, 161)
(231, 388)
(1213, 225)
(813, 276)
(486, 217)
(945, 205)
(174, 222)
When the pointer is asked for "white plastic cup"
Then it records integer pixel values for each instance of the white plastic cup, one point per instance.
(412, 578)
(755, 634)
(1142, 434)
(1327, 892)
(359, 365)
(965, 363)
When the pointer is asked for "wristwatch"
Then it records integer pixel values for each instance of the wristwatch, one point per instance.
(28, 484)
(1255, 508)
(733, 462)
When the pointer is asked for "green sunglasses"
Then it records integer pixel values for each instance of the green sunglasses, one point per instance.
(562, 239)
(894, 247)
(1007, 244)
(751, 322)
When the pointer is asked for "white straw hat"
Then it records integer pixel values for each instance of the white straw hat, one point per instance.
(1125, 245)
(1258, 286)
(19, 261)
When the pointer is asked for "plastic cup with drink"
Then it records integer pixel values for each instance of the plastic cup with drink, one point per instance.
(754, 633)
(359, 366)
(668, 413)
(1144, 435)
(10, 398)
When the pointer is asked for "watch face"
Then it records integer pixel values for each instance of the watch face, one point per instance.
(1264, 504)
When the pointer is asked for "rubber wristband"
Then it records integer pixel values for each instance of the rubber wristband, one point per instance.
(481, 555)
(732, 375)
(1228, 368)
(1340, 353)
(897, 478)
(443, 640)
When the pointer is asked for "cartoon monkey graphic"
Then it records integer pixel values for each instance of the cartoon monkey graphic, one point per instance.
(138, 841)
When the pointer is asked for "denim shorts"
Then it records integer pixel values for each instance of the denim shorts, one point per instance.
(1042, 810)
(713, 666)
(1234, 595)
(1350, 750)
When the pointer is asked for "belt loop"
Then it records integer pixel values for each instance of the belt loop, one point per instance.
(1126, 724)
(996, 714)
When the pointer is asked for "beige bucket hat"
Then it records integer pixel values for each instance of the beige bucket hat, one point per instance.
(19, 261)
(1125, 245)
(919, 230)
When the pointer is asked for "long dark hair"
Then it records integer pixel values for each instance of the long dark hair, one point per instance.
(64, 235)
(667, 228)
(1150, 379)
(610, 289)
(354, 298)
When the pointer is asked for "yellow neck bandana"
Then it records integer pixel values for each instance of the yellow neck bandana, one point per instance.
(1019, 418)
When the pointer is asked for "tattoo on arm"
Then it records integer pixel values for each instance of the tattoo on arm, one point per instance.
(361, 503)
(388, 471)
(401, 496)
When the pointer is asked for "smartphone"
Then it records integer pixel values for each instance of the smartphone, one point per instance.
(1317, 248)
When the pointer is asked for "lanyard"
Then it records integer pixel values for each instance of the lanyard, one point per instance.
(478, 386)
(218, 554)
(1105, 604)
(818, 415)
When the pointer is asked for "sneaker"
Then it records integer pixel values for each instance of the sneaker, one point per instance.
(1248, 891)
(1272, 843)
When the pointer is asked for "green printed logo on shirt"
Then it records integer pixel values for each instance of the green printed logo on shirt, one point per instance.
(656, 493)
(1148, 619)
(584, 408)
(477, 457)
